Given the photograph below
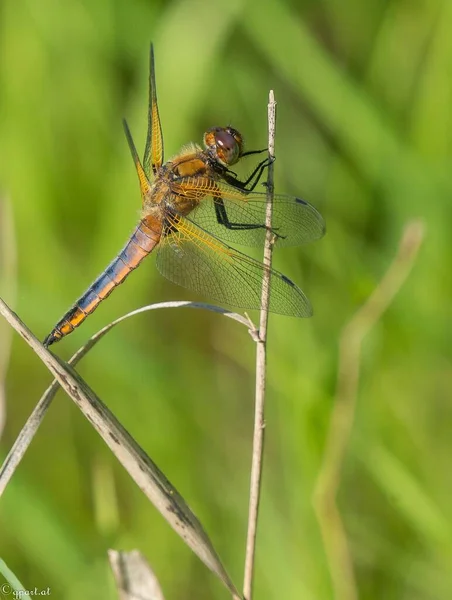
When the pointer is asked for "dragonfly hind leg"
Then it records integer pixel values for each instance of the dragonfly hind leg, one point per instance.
(223, 219)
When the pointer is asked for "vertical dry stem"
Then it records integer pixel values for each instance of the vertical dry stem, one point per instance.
(261, 362)
(328, 515)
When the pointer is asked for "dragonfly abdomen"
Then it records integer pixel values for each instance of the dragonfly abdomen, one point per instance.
(140, 244)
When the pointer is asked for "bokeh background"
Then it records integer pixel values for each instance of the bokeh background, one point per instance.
(364, 132)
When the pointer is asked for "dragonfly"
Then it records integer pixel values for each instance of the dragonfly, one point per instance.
(194, 206)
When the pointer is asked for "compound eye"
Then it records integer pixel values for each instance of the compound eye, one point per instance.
(237, 136)
(228, 150)
(225, 143)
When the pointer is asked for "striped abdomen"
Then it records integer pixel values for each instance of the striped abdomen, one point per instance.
(141, 243)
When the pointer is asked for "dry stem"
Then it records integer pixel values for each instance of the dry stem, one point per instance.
(261, 363)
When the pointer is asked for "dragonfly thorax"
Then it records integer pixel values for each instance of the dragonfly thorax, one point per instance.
(224, 145)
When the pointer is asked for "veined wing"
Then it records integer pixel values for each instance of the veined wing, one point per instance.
(192, 258)
(153, 153)
(239, 217)
(145, 186)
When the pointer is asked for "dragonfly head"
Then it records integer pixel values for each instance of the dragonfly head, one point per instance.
(224, 144)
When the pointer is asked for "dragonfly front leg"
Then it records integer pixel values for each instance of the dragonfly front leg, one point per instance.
(249, 184)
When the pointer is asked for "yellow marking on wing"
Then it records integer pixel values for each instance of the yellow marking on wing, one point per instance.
(145, 186)
(153, 153)
(205, 184)
(144, 183)
(157, 137)
(187, 231)
(193, 186)
(196, 188)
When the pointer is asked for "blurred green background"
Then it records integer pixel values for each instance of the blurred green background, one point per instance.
(364, 132)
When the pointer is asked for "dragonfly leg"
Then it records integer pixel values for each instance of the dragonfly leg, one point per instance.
(249, 184)
(253, 152)
(223, 219)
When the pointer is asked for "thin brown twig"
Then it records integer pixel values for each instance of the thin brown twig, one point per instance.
(331, 525)
(261, 364)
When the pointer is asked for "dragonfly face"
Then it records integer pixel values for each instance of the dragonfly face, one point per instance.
(192, 205)
(224, 145)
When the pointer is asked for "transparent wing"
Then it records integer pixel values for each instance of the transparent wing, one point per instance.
(153, 153)
(192, 258)
(239, 217)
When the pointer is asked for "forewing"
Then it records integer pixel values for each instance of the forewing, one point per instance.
(192, 258)
(153, 153)
(294, 221)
